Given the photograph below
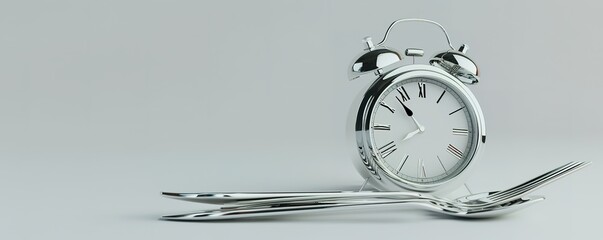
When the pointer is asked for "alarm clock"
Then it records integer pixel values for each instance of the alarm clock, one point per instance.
(416, 127)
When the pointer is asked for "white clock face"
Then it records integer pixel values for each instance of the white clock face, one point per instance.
(422, 131)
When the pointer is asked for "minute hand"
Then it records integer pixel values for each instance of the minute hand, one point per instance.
(410, 114)
(406, 109)
(421, 128)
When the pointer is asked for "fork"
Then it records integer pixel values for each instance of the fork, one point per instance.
(285, 209)
(489, 204)
(234, 200)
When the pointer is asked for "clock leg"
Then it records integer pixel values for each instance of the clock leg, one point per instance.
(363, 184)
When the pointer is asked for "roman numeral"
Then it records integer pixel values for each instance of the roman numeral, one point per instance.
(387, 149)
(454, 151)
(440, 98)
(456, 110)
(404, 94)
(440, 160)
(401, 164)
(382, 127)
(387, 106)
(422, 90)
(421, 169)
(460, 131)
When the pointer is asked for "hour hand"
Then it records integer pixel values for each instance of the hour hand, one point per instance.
(410, 114)
(411, 134)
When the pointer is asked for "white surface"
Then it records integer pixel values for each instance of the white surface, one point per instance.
(103, 104)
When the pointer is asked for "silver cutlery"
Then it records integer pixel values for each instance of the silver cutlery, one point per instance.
(237, 205)
(277, 197)
(319, 207)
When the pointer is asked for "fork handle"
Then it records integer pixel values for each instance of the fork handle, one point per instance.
(265, 198)
(288, 209)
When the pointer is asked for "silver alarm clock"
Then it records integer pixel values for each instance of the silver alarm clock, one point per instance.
(416, 127)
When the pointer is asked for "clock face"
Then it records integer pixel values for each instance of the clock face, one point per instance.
(422, 131)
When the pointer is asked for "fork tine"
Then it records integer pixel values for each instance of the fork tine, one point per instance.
(544, 179)
(538, 178)
(537, 184)
(535, 181)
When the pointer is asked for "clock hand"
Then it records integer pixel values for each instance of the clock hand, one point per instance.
(410, 114)
(421, 127)
(411, 134)
(406, 109)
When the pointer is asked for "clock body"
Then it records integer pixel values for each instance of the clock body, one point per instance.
(416, 128)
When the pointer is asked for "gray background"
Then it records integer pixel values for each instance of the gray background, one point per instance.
(103, 104)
